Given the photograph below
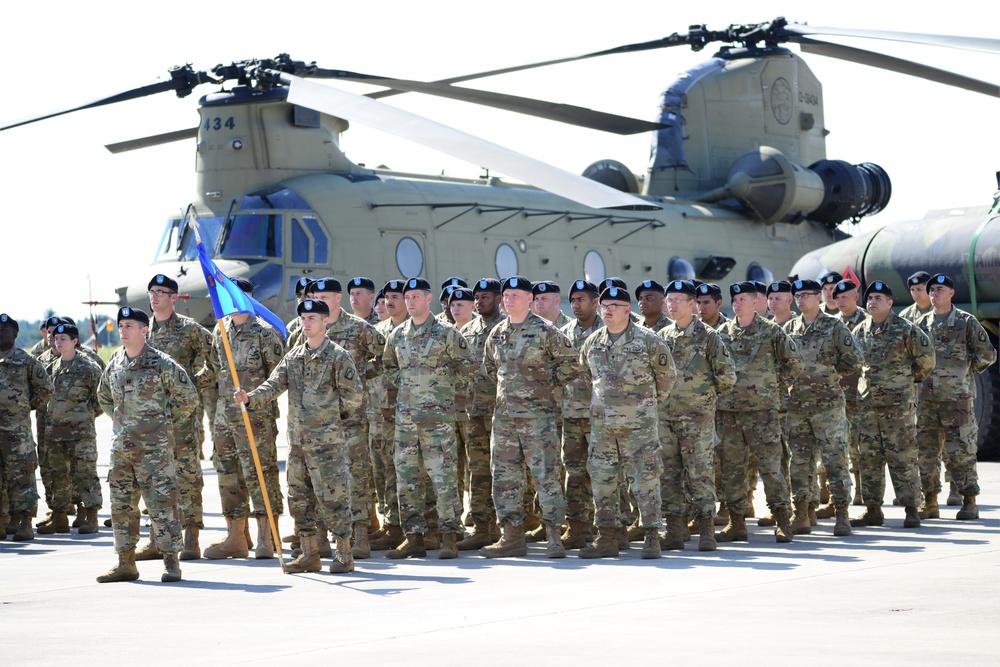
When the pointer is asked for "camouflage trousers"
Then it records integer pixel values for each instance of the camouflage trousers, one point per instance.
(949, 428)
(853, 410)
(42, 456)
(427, 447)
(356, 432)
(381, 440)
(238, 483)
(319, 487)
(532, 444)
(18, 461)
(757, 432)
(74, 466)
(688, 479)
(480, 478)
(209, 395)
(634, 453)
(145, 470)
(888, 436)
(190, 482)
(575, 453)
(461, 448)
(820, 433)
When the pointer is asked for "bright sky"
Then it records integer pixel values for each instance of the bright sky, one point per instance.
(74, 210)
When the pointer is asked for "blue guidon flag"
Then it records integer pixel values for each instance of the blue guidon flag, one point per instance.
(228, 298)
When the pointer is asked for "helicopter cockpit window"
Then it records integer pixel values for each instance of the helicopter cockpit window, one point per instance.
(300, 243)
(506, 261)
(759, 273)
(320, 253)
(278, 198)
(252, 235)
(409, 257)
(178, 243)
(593, 267)
(680, 269)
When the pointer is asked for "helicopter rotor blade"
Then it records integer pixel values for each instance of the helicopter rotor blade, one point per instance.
(360, 109)
(899, 65)
(984, 44)
(152, 140)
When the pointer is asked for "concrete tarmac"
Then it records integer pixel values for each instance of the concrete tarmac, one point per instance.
(883, 596)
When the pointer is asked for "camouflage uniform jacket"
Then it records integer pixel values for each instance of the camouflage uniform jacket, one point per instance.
(24, 386)
(257, 349)
(323, 387)
(293, 329)
(849, 381)
(705, 370)
(897, 354)
(49, 356)
(481, 394)
(766, 361)
(73, 406)
(186, 342)
(914, 313)
(962, 350)
(39, 347)
(360, 339)
(828, 351)
(380, 396)
(578, 394)
(139, 394)
(631, 376)
(527, 362)
(425, 362)
(372, 318)
(659, 325)
(718, 325)
(562, 321)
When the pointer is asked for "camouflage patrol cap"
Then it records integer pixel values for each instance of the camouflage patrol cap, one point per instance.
(414, 284)
(69, 330)
(709, 289)
(940, 279)
(545, 287)
(805, 286)
(394, 286)
(918, 278)
(779, 286)
(648, 286)
(745, 287)
(160, 280)
(615, 294)
(462, 294)
(129, 313)
(324, 285)
(583, 286)
(516, 282)
(760, 286)
(361, 281)
(831, 278)
(313, 306)
(613, 282)
(844, 286)
(878, 287)
(681, 287)
(486, 285)
(300, 285)
(9, 321)
(454, 282)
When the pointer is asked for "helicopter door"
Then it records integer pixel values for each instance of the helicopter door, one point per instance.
(405, 254)
(308, 252)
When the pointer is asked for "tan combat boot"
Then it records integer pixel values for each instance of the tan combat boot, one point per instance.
(801, 524)
(872, 516)
(623, 541)
(575, 536)
(265, 541)
(235, 543)
(912, 519)
(858, 500)
(536, 535)
(58, 524)
(767, 520)
(531, 521)
(412, 547)
(362, 547)
(970, 510)
(783, 527)
(751, 512)
(24, 532)
(192, 550)
(605, 546)
(673, 538)
(171, 569)
(81, 516)
(449, 546)
(929, 508)
(246, 534)
(393, 538)
(148, 551)
(511, 543)
(842, 528)
(722, 518)
(479, 538)
(827, 511)
(635, 531)
(432, 538)
(308, 560)
(90, 525)
(706, 537)
(554, 547)
(124, 571)
(651, 544)
(343, 559)
(323, 540)
(735, 530)
(954, 497)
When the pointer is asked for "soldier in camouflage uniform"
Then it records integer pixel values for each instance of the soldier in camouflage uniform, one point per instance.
(846, 294)
(709, 303)
(447, 287)
(748, 417)
(897, 355)
(921, 299)
(827, 284)
(649, 296)
(42, 345)
(24, 386)
(576, 421)
(687, 424)
(424, 359)
(817, 421)
(361, 292)
(142, 390)
(545, 302)
(461, 305)
(945, 421)
(528, 358)
(189, 344)
(69, 423)
(480, 403)
(324, 388)
(631, 371)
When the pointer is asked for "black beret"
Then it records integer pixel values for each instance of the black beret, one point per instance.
(244, 285)
(845, 285)
(545, 287)
(805, 286)
(379, 295)
(709, 289)
(615, 294)
(681, 287)
(160, 280)
(878, 287)
(300, 286)
(9, 321)
(53, 322)
(313, 306)
(361, 281)
(445, 293)
(697, 283)
(462, 294)
(761, 287)
(918, 278)
(940, 279)
(583, 286)
(394, 286)
(486, 285)
(416, 284)
(324, 285)
(779, 286)
(69, 330)
(831, 278)
(648, 286)
(515, 282)
(454, 282)
(612, 282)
(129, 313)
(745, 287)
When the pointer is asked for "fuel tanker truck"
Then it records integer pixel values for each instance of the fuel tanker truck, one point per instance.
(962, 243)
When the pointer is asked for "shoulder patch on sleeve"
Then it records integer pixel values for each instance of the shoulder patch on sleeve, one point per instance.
(924, 340)
(848, 340)
(349, 374)
(792, 346)
(462, 343)
(982, 335)
(278, 350)
(662, 360)
(379, 338)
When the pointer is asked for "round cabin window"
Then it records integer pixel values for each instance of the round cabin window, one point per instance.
(409, 257)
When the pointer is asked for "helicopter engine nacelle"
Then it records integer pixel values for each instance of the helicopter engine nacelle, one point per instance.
(613, 174)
